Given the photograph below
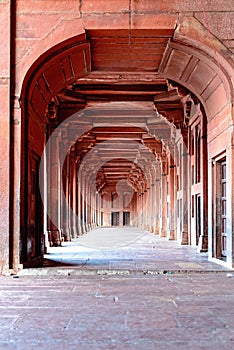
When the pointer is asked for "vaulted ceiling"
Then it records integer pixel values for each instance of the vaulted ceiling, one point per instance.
(128, 108)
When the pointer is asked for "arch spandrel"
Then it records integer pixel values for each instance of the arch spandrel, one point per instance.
(198, 61)
(64, 34)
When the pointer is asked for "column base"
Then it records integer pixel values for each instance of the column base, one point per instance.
(46, 242)
(54, 238)
(66, 234)
(184, 238)
(84, 229)
(172, 235)
(157, 227)
(74, 232)
(163, 233)
(79, 231)
(203, 244)
(89, 227)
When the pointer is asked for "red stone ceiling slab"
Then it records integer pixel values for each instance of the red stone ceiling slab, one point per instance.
(128, 50)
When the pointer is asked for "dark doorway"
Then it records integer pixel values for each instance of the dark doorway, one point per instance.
(102, 218)
(126, 218)
(115, 218)
(36, 210)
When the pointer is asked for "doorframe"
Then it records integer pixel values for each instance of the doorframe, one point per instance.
(217, 207)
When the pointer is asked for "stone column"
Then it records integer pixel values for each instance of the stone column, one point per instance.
(66, 197)
(89, 205)
(148, 207)
(163, 198)
(185, 194)
(144, 217)
(142, 198)
(44, 184)
(95, 208)
(99, 208)
(153, 204)
(172, 234)
(141, 210)
(135, 221)
(163, 228)
(151, 201)
(16, 162)
(84, 213)
(69, 196)
(73, 195)
(203, 239)
(54, 183)
(153, 198)
(157, 199)
(79, 201)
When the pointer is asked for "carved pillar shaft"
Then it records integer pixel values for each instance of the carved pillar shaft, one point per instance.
(203, 239)
(74, 198)
(79, 205)
(172, 198)
(185, 196)
(163, 229)
(54, 189)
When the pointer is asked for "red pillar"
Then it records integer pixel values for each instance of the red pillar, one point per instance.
(172, 233)
(4, 135)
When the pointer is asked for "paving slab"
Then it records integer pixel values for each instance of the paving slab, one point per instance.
(178, 311)
(148, 293)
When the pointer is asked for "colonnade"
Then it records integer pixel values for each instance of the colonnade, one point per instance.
(160, 204)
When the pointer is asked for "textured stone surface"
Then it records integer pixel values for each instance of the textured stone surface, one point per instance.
(191, 311)
(220, 24)
(152, 5)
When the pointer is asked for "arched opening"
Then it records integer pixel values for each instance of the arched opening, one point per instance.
(153, 118)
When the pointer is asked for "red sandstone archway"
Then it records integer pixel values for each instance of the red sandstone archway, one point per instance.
(185, 61)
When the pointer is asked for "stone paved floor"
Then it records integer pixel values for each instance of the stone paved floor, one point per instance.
(163, 308)
(125, 249)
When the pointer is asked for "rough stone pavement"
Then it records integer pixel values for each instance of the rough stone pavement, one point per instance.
(187, 308)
